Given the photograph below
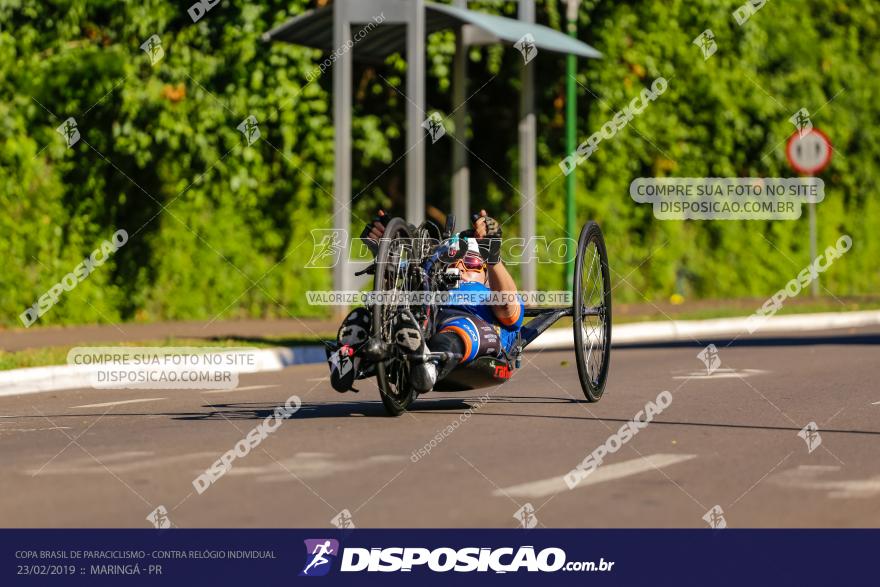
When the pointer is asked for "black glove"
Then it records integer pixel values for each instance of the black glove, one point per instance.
(384, 219)
(493, 229)
(490, 245)
(490, 249)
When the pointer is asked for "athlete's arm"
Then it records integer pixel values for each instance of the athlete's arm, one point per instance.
(501, 280)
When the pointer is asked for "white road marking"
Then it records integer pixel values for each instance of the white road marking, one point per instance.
(128, 401)
(121, 462)
(318, 379)
(33, 429)
(311, 465)
(604, 473)
(722, 374)
(248, 388)
(807, 477)
(876, 404)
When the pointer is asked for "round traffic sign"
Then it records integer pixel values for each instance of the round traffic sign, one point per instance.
(808, 152)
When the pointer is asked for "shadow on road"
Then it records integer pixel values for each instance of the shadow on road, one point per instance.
(441, 406)
(308, 410)
(423, 407)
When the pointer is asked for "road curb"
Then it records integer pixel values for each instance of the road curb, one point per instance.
(62, 377)
(696, 330)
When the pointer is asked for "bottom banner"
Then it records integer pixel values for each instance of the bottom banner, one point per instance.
(502, 557)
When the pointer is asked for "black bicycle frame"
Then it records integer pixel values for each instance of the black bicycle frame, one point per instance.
(544, 318)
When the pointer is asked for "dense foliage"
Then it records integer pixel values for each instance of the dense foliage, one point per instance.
(222, 229)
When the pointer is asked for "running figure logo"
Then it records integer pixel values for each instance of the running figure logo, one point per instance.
(159, 518)
(249, 127)
(801, 121)
(715, 518)
(526, 46)
(327, 247)
(69, 131)
(153, 48)
(706, 43)
(810, 435)
(434, 125)
(320, 553)
(343, 520)
(526, 516)
(710, 358)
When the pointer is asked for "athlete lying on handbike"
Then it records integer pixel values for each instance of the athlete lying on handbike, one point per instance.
(469, 327)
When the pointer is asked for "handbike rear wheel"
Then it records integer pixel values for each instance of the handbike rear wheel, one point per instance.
(392, 262)
(592, 312)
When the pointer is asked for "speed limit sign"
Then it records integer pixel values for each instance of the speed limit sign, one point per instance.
(808, 152)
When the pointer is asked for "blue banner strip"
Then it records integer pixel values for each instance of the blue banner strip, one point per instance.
(436, 557)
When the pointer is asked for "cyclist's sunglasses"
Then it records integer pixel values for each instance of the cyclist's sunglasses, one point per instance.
(471, 262)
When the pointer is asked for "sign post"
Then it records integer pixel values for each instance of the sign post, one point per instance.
(809, 152)
(571, 15)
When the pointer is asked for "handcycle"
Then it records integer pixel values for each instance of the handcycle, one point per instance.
(412, 260)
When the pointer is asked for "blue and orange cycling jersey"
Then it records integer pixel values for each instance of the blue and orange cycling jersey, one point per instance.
(472, 297)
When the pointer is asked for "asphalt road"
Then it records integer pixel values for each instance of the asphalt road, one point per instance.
(730, 439)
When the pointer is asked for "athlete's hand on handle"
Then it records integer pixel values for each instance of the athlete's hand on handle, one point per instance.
(374, 230)
(488, 233)
(486, 226)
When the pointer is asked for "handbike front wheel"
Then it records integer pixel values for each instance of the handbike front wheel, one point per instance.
(592, 312)
(392, 263)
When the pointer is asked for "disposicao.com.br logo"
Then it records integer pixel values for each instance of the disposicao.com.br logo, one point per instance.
(445, 559)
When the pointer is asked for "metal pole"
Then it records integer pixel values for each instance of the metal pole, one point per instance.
(527, 157)
(342, 97)
(415, 113)
(570, 136)
(814, 287)
(461, 175)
